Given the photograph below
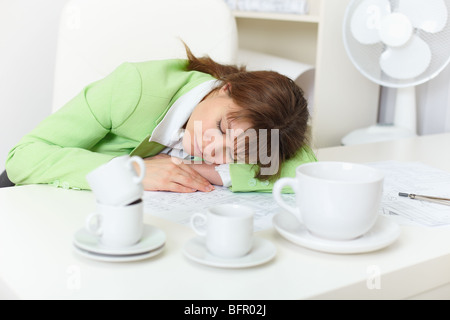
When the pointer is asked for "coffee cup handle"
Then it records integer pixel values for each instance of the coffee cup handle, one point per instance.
(140, 162)
(277, 190)
(98, 229)
(200, 231)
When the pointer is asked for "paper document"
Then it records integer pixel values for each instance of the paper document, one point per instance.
(417, 178)
(179, 207)
(280, 6)
(409, 177)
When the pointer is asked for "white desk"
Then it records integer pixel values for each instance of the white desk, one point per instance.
(37, 260)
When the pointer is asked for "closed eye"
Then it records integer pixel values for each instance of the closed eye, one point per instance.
(219, 126)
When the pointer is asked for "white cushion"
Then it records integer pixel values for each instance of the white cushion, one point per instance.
(96, 36)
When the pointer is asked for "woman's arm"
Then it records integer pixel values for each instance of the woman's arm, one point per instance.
(165, 173)
(58, 150)
(208, 171)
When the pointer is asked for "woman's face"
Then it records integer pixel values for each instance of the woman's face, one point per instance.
(206, 130)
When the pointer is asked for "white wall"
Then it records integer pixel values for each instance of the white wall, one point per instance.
(28, 32)
(433, 105)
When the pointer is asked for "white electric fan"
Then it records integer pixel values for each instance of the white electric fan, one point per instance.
(397, 44)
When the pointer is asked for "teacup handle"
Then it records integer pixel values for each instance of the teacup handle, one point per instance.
(200, 231)
(277, 190)
(98, 229)
(140, 162)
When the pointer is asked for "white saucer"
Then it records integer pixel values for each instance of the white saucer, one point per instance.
(118, 258)
(262, 252)
(384, 233)
(152, 238)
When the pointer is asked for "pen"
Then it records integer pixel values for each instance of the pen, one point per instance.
(439, 200)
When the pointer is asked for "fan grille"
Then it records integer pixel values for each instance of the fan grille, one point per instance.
(366, 57)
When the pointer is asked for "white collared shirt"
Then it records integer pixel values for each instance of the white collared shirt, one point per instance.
(169, 132)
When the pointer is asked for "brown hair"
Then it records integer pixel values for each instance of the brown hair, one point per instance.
(268, 100)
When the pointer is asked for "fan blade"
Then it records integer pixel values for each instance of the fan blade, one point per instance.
(396, 30)
(406, 62)
(366, 20)
(430, 15)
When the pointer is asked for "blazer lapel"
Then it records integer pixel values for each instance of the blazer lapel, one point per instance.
(147, 148)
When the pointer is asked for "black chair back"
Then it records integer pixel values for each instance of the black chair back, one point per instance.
(4, 181)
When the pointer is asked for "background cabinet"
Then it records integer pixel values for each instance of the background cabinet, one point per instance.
(344, 99)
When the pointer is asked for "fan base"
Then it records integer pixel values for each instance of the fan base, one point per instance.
(377, 133)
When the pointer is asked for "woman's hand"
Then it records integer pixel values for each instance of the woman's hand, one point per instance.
(209, 172)
(162, 173)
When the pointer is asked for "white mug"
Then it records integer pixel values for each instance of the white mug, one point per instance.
(117, 226)
(116, 182)
(334, 200)
(227, 229)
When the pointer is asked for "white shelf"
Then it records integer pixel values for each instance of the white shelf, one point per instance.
(344, 100)
(277, 16)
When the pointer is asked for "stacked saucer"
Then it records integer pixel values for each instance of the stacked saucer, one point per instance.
(116, 232)
(151, 244)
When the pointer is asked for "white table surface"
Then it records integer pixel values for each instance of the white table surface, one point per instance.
(37, 260)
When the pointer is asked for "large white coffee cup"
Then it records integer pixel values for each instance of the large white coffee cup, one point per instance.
(334, 200)
(227, 228)
(117, 226)
(116, 182)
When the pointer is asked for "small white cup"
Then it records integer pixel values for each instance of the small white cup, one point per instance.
(116, 182)
(334, 200)
(227, 228)
(117, 227)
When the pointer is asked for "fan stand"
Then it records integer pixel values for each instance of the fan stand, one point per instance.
(405, 122)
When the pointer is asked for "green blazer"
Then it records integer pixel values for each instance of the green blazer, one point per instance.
(112, 117)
